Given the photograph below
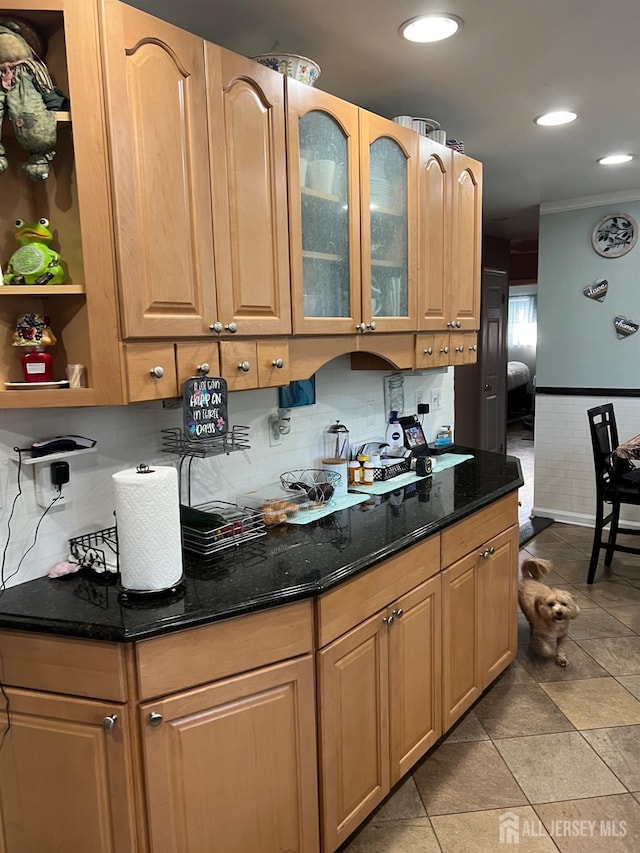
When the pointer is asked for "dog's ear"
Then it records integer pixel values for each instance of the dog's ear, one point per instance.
(538, 603)
(574, 610)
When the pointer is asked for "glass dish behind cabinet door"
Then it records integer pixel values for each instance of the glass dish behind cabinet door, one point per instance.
(324, 216)
(388, 229)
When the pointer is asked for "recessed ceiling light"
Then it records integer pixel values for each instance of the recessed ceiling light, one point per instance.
(428, 28)
(615, 159)
(556, 118)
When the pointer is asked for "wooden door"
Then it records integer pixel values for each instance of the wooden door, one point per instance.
(246, 107)
(324, 225)
(389, 224)
(66, 780)
(498, 604)
(415, 695)
(461, 678)
(434, 260)
(353, 689)
(157, 125)
(493, 359)
(466, 241)
(231, 766)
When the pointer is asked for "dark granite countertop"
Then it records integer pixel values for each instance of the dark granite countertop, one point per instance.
(291, 563)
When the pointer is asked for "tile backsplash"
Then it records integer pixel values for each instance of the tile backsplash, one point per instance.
(127, 435)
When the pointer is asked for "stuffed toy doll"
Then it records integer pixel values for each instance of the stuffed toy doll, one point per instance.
(29, 97)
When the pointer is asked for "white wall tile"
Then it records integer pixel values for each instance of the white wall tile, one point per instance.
(128, 435)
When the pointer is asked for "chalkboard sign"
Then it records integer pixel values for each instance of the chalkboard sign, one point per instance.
(205, 407)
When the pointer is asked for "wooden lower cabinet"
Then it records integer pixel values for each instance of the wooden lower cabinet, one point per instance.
(65, 775)
(479, 621)
(379, 707)
(231, 766)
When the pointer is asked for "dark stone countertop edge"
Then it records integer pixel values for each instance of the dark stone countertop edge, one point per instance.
(288, 595)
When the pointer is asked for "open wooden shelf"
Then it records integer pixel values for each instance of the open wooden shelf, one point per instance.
(41, 290)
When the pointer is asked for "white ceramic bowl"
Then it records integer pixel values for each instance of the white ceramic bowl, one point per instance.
(299, 67)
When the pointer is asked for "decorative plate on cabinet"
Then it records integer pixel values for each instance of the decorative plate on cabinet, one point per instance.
(615, 235)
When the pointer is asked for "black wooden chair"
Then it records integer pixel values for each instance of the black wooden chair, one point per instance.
(615, 486)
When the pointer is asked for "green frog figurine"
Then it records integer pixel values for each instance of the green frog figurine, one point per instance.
(34, 262)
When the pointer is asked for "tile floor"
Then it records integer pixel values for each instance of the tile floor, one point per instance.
(558, 750)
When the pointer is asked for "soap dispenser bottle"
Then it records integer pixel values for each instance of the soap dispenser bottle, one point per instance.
(394, 436)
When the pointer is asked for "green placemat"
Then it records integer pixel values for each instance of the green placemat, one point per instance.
(305, 516)
(441, 463)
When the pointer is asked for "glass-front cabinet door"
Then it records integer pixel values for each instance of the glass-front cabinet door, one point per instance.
(389, 204)
(323, 206)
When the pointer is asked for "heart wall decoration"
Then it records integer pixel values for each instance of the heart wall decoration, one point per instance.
(597, 290)
(625, 327)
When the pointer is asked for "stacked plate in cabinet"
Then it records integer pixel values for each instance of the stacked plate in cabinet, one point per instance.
(380, 187)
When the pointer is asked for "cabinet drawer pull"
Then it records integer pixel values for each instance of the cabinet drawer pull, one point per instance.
(157, 372)
(459, 349)
(203, 368)
(278, 362)
(244, 366)
(216, 327)
(428, 351)
(474, 348)
(388, 620)
(232, 327)
(399, 613)
(492, 551)
(109, 722)
(155, 719)
(445, 350)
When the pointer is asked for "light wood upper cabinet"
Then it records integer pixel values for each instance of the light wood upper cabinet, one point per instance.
(389, 224)
(353, 217)
(466, 241)
(246, 114)
(231, 766)
(324, 212)
(157, 123)
(450, 239)
(66, 775)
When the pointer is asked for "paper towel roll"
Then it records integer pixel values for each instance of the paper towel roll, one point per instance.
(148, 520)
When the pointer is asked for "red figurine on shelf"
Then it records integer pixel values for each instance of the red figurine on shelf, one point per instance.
(34, 334)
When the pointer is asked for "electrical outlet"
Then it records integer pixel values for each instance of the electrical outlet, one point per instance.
(46, 491)
(436, 400)
(275, 438)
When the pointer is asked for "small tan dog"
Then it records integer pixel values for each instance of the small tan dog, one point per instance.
(548, 610)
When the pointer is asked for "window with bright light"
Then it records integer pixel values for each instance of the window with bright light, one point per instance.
(523, 321)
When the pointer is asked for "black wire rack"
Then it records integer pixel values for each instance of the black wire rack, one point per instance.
(97, 551)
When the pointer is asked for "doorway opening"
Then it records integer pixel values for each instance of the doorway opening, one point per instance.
(522, 332)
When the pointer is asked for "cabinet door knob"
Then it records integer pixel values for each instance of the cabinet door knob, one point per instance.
(216, 327)
(388, 620)
(244, 366)
(109, 722)
(399, 613)
(458, 324)
(232, 327)
(428, 351)
(203, 368)
(485, 554)
(155, 719)
(279, 363)
(360, 327)
(157, 372)
(492, 551)
(450, 323)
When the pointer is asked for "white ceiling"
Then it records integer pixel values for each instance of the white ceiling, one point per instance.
(512, 61)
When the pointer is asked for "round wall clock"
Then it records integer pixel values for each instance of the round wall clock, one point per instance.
(615, 235)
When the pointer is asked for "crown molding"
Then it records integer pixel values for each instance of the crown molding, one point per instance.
(589, 201)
